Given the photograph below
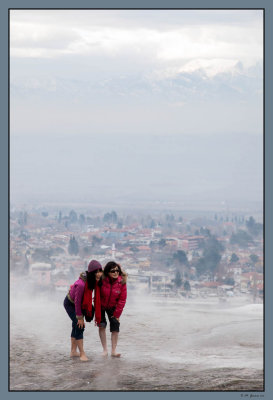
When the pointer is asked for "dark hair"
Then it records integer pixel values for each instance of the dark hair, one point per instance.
(109, 266)
(91, 279)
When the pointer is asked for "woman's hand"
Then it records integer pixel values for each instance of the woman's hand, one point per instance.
(81, 323)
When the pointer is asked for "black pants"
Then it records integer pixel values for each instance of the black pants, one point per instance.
(76, 332)
(114, 324)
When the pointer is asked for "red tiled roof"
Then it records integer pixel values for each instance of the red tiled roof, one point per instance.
(210, 284)
(145, 248)
(61, 282)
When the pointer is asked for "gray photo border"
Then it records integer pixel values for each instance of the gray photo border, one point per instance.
(5, 5)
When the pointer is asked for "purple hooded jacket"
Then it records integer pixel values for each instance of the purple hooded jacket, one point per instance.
(75, 294)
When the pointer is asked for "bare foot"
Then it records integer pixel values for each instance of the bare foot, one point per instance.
(105, 353)
(74, 354)
(83, 357)
(115, 355)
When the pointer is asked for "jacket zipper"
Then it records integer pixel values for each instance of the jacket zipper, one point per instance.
(109, 296)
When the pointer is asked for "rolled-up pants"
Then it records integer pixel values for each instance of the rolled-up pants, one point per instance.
(76, 332)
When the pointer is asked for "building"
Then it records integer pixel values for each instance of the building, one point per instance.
(189, 243)
(40, 273)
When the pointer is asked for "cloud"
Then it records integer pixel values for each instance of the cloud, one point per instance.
(208, 67)
(41, 37)
(147, 71)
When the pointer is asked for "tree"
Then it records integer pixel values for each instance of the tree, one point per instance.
(213, 243)
(162, 243)
(26, 263)
(250, 224)
(73, 216)
(96, 240)
(187, 286)
(254, 259)
(170, 218)
(204, 231)
(211, 258)
(87, 250)
(253, 227)
(81, 219)
(110, 218)
(181, 257)
(178, 279)
(230, 281)
(22, 220)
(73, 247)
(234, 258)
(201, 266)
(242, 238)
(134, 249)
(41, 255)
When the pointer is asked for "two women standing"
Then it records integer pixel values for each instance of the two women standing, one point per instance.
(96, 293)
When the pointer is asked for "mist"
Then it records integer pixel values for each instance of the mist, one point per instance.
(189, 170)
(166, 345)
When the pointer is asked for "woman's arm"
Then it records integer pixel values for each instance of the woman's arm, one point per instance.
(121, 301)
(79, 290)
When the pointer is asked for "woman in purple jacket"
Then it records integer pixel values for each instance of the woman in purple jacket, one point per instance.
(73, 306)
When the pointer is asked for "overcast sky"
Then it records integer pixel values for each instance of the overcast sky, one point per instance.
(83, 74)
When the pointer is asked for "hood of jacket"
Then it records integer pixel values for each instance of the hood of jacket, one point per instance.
(83, 276)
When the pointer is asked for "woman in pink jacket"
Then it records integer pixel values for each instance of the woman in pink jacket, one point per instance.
(113, 298)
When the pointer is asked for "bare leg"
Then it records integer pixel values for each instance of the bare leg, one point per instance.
(102, 333)
(74, 352)
(82, 353)
(114, 339)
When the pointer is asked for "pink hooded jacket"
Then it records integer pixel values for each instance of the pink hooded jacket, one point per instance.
(75, 294)
(114, 294)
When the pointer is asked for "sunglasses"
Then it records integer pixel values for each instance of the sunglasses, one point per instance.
(98, 270)
(114, 270)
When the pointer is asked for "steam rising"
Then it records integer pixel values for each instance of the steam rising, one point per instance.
(161, 341)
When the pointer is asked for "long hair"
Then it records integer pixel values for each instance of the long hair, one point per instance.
(109, 266)
(91, 279)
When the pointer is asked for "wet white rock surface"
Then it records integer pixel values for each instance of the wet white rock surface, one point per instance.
(184, 345)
